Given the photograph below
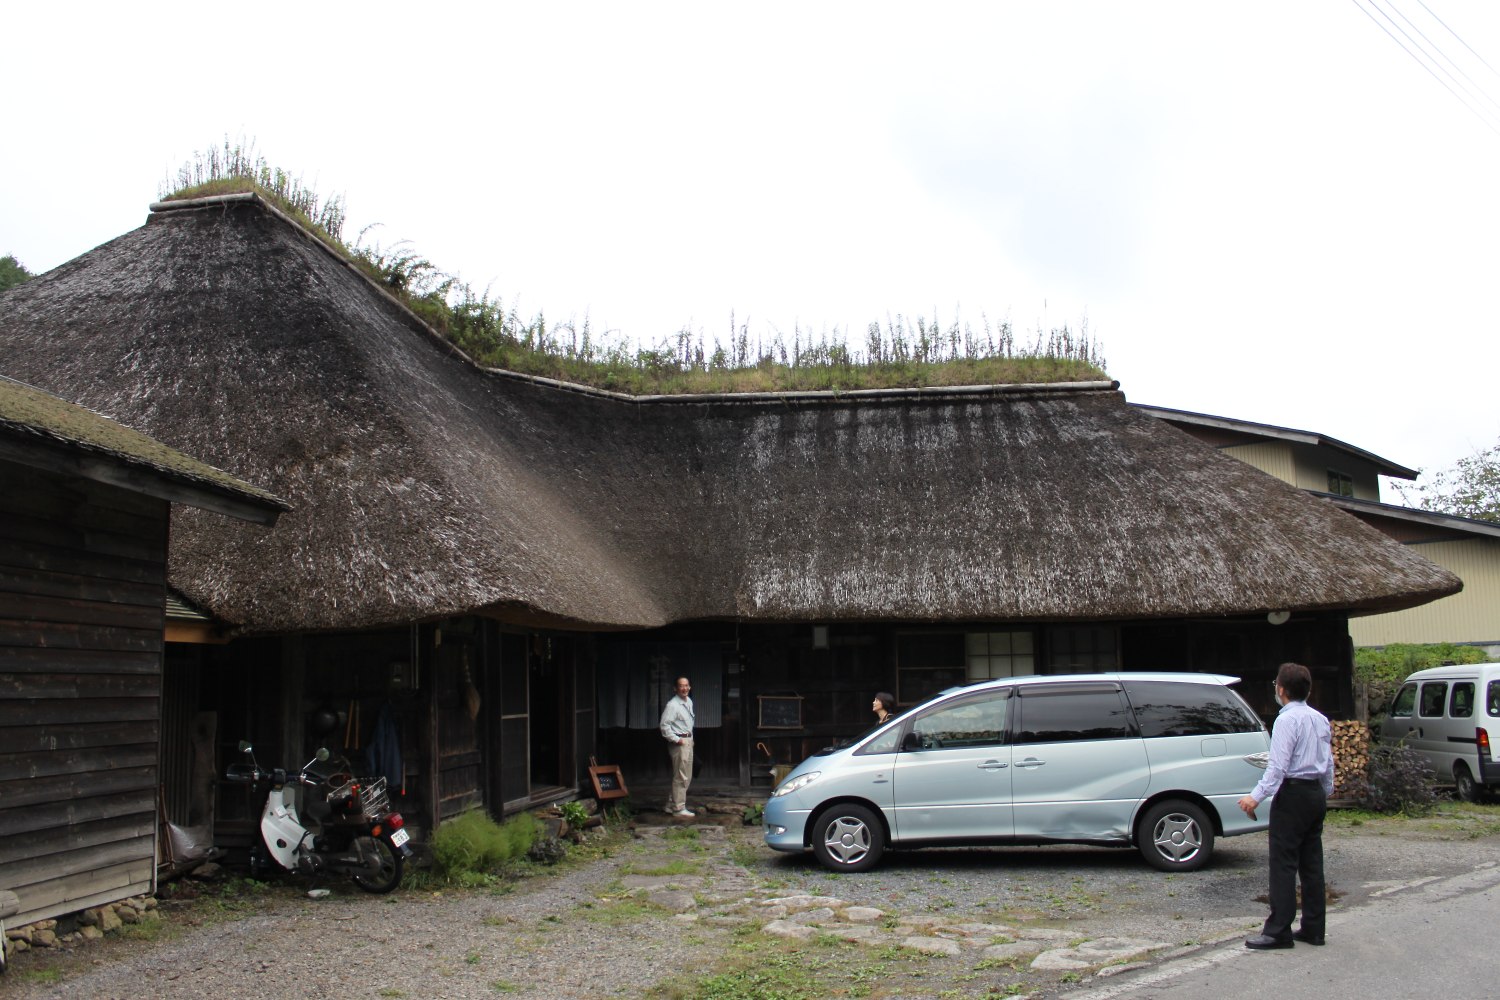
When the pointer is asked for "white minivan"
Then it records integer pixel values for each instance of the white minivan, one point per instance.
(1451, 716)
(1157, 761)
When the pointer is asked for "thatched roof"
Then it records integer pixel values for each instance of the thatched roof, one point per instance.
(38, 428)
(424, 486)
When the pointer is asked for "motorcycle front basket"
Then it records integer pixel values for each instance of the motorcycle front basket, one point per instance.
(374, 798)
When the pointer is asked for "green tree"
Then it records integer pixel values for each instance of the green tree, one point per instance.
(12, 273)
(1470, 488)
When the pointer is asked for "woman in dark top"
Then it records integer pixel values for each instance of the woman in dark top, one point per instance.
(884, 706)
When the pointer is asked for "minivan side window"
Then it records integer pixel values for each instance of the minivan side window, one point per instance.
(1171, 708)
(1406, 700)
(1067, 713)
(1434, 694)
(976, 721)
(1461, 704)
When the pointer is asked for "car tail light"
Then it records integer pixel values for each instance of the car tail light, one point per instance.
(1482, 737)
(395, 820)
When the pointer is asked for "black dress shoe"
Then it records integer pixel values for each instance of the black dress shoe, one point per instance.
(1306, 938)
(1265, 942)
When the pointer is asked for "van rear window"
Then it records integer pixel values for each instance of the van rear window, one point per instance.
(1168, 708)
(1492, 698)
(1461, 704)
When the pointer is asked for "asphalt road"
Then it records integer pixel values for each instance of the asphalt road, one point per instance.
(1428, 938)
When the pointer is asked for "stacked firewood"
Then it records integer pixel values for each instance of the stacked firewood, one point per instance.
(1351, 758)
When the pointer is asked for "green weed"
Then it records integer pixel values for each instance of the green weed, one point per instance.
(902, 352)
(475, 845)
(620, 911)
(576, 814)
(746, 855)
(675, 866)
(998, 963)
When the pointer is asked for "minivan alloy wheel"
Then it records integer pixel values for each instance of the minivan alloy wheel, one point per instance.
(1176, 836)
(848, 838)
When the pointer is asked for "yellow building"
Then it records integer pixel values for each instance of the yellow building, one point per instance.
(1349, 477)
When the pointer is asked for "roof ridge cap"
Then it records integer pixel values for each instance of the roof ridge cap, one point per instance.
(819, 395)
(206, 201)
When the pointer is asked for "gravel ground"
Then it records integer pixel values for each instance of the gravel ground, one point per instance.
(659, 914)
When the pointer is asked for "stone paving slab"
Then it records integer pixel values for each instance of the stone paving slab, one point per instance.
(677, 901)
(932, 945)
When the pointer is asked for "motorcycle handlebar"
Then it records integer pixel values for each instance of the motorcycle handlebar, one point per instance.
(248, 774)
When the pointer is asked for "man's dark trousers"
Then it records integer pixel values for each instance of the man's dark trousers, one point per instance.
(1297, 850)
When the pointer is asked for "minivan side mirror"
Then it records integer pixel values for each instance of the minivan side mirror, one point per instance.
(911, 741)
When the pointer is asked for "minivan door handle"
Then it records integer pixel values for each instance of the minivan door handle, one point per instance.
(1030, 762)
(992, 765)
(1417, 732)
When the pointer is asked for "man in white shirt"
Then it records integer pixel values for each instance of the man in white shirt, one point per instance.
(677, 729)
(1298, 780)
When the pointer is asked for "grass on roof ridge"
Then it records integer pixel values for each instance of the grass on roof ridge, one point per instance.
(899, 353)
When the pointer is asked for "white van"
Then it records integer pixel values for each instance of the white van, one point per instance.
(1451, 716)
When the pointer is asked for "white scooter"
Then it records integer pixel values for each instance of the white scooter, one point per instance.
(345, 824)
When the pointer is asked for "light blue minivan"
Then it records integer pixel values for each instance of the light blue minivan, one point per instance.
(1154, 760)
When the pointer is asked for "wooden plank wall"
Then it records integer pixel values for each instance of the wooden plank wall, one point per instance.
(456, 669)
(82, 570)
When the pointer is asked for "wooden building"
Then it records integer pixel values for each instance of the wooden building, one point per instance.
(83, 548)
(515, 568)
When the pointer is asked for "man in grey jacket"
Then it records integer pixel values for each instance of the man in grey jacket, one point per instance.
(677, 729)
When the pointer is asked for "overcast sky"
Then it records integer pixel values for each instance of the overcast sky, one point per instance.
(1268, 211)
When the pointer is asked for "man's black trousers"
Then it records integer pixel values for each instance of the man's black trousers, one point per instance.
(1297, 852)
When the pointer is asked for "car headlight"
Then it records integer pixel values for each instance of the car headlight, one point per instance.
(793, 784)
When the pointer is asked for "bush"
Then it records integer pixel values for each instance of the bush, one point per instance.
(1398, 781)
(474, 843)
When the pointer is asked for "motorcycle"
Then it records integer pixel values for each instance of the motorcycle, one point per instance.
(343, 824)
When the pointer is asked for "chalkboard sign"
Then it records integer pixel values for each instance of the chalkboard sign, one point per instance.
(609, 783)
(780, 711)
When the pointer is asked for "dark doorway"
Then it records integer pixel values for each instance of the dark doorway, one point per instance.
(545, 706)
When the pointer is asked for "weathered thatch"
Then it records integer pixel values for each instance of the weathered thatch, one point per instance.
(423, 486)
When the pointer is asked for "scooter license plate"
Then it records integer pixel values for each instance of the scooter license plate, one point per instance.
(399, 837)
